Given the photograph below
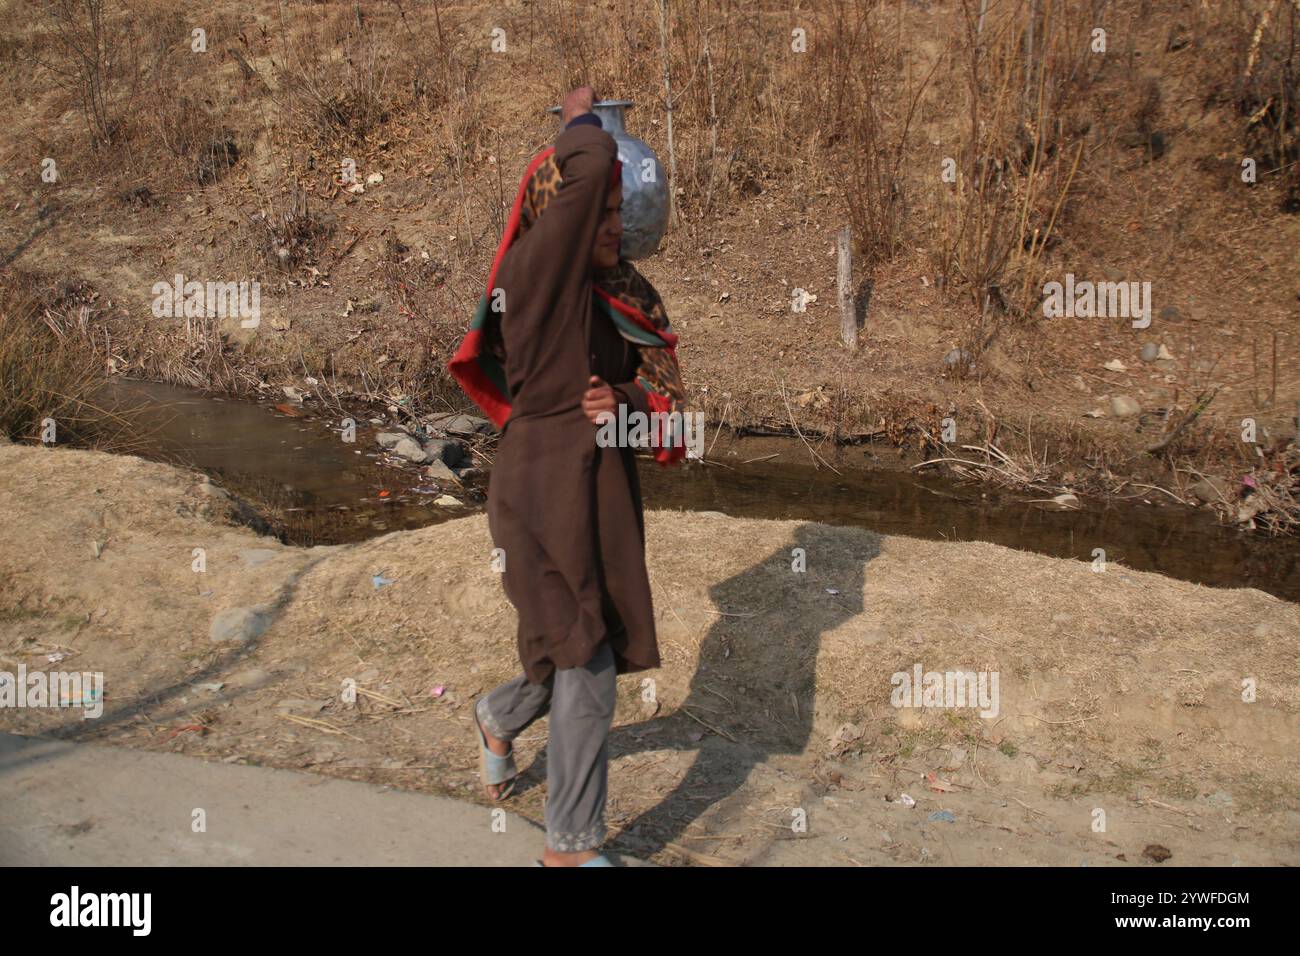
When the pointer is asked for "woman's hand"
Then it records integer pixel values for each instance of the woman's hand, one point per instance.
(579, 101)
(599, 400)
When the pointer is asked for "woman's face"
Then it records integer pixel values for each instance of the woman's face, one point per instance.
(609, 235)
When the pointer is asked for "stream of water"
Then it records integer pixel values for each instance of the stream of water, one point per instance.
(322, 490)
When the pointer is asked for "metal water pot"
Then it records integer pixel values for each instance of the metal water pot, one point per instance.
(645, 186)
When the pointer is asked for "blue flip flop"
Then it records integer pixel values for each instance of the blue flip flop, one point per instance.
(494, 769)
(600, 860)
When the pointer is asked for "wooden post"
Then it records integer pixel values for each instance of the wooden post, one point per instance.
(844, 280)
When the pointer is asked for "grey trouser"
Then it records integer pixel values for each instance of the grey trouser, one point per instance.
(580, 701)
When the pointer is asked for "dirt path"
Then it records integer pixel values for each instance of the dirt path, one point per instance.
(1120, 693)
(154, 809)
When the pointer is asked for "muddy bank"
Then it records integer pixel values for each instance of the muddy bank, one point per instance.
(1119, 691)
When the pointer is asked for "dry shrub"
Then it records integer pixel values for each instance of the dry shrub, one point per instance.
(1248, 62)
(287, 233)
(333, 73)
(748, 106)
(571, 33)
(345, 73)
(1015, 153)
(125, 69)
(94, 50)
(873, 114)
(1019, 149)
(183, 125)
(47, 367)
(440, 79)
(454, 104)
(434, 323)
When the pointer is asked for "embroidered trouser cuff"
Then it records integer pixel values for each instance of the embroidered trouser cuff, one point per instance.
(580, 701)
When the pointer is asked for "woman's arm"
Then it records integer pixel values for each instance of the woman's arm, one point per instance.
(601, 397)
(554, 256)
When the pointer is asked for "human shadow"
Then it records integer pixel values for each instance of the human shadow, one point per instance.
(753, 694)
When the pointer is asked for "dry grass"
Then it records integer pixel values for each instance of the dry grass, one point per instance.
(50, 370)
(332, 73)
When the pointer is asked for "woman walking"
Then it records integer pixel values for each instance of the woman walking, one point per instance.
(566, 334)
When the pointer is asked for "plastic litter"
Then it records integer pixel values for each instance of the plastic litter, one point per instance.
(89, 695)
(936, 784)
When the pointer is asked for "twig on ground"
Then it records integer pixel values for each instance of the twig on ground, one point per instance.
(812, 451)
(320, 725)
(716, 730)
(1202, 403)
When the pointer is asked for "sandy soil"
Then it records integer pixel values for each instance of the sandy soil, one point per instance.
(1120, 691)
